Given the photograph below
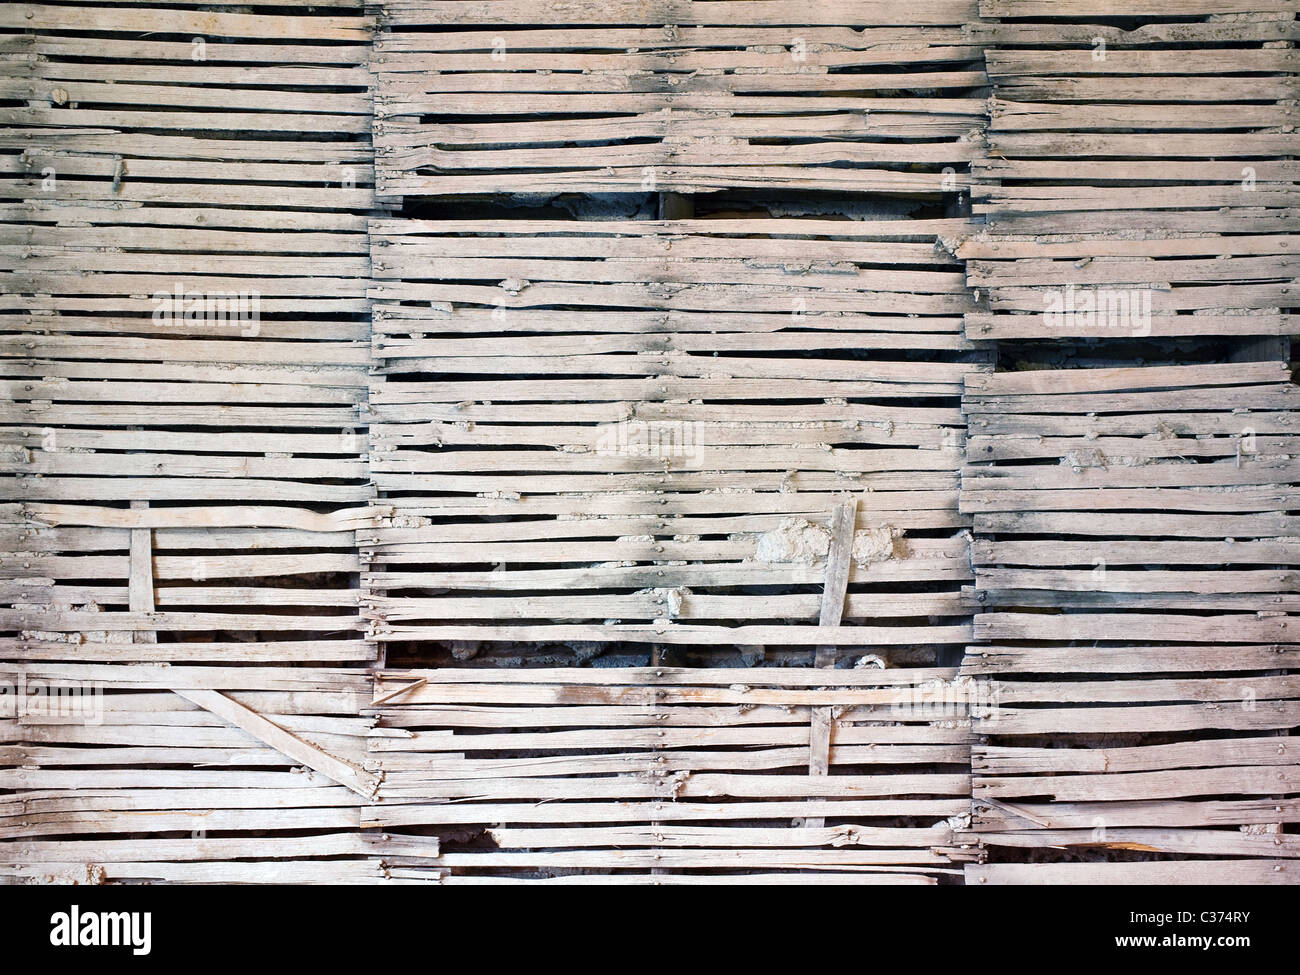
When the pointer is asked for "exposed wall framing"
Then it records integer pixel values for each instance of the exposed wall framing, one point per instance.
(1135, 511)
(650, 463)
(187, 483)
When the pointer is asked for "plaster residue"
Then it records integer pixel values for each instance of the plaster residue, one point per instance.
(794, 540)
(88, 636)
(797, 540)
(1092, 457)
(878, 544)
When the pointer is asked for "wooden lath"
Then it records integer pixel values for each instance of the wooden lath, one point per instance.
(141, 591)
(238, 443)
(839, 560)
(694, 774)
(182, 490)
(760, 426)
(356, 779)
(223, 806)
(1122, 165)
(1138, 618)
(683, 98)
(648, 450)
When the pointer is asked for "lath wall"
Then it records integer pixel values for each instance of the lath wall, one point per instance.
(1135, 532)
(614, 423)
(596, 430)
(655, 468)
(185, 488)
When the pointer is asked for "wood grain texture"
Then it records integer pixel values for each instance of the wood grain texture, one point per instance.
(1108, 157)
(501, 442)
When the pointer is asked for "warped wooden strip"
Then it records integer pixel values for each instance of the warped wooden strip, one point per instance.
(23, 16)
(1102, 8)
(1264, 715)
(1135, 659)
(1160, 873)
(234, 652)
(1074, 815)
(434, 742)
(1203, 842)
(684, 40)
(1002, 760)
(409, 814)
(367, 871)
(208, 678)
(676, 12)
(845, 877)
(398, 767)
(1224, 628)
(694, 836)
(160, 850)
(759, 858)
(669, 633)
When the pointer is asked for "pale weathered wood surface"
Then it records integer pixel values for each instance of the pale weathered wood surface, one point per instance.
(184, 489)
(1121, 162)
(635, 412)
(686, 772)
(684, 97)
(1142, 643)
(140, 182)
(630, 482)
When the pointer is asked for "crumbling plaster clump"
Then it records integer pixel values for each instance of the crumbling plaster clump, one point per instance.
(800, 541)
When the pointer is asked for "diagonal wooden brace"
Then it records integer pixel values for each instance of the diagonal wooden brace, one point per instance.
(141, 595)
(361, 782)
